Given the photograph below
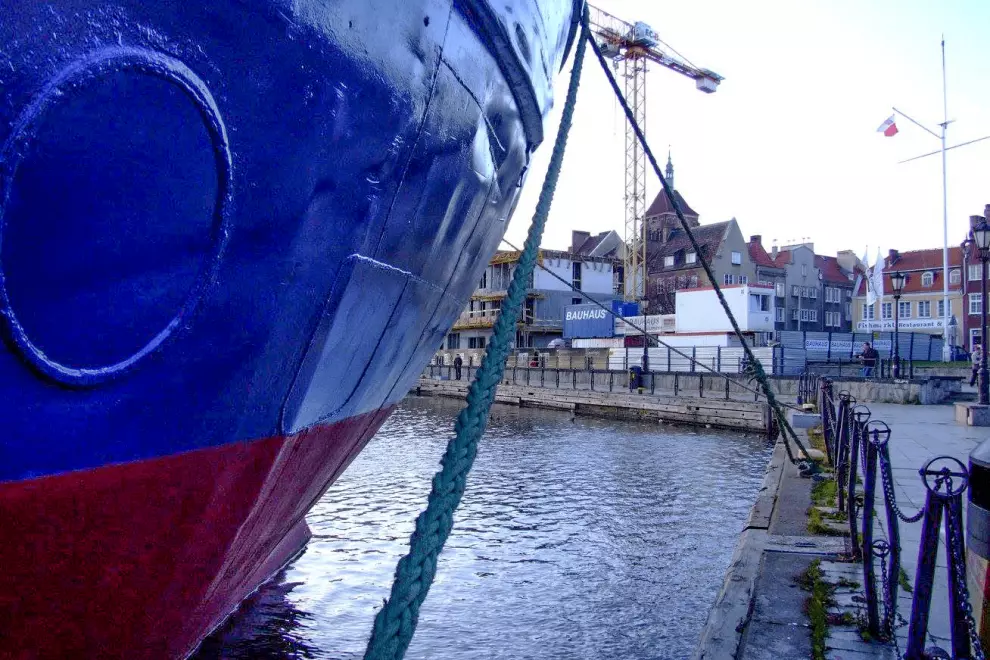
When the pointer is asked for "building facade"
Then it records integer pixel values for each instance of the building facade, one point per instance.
(921, 306)
(836, 294)
(549, 292)
(803, 305)
(769, 273)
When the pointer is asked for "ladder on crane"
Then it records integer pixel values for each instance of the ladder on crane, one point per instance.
(635, 44)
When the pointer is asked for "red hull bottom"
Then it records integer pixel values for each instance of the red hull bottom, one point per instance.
(142, 560)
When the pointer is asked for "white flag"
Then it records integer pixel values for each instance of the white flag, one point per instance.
(875, 282)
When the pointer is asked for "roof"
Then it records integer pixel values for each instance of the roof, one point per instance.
(915, 264)
(511, 257)
(830, 270)
(783, 258)
(709, 238)
(924, 259)
(661, 204)
(758, 255)
(593, 243)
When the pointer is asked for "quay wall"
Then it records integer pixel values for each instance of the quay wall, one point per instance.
(928, 391)
(735, 415)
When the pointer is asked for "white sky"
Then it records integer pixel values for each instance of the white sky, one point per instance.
(788, 144)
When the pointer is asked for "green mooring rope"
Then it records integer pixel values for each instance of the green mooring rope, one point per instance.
(395, 623)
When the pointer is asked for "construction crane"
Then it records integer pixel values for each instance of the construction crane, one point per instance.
(635, 44)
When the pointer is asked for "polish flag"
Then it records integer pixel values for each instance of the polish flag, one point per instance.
(888, 128)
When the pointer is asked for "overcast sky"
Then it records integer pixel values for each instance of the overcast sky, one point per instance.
(788, 144)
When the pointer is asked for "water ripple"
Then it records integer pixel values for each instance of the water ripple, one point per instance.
(577, 538)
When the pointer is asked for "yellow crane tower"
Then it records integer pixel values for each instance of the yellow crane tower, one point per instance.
(635, 44)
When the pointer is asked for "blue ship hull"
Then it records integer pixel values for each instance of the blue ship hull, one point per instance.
(231, 236)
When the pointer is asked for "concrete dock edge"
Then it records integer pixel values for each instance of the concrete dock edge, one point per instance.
(722, 632)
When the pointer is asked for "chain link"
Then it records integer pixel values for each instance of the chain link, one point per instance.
(888, 490)
(954, 544)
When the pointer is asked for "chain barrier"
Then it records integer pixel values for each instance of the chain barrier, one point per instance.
(956, 544)
(854, 442)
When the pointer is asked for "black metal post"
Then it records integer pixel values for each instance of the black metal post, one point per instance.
(869, 572)
(984, 383)
(897, 353)
(924, 579)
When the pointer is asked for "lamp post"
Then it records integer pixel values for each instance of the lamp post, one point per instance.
(981, 237)
(964, 289)
(897, 280)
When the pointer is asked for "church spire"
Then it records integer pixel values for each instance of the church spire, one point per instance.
(670, 170)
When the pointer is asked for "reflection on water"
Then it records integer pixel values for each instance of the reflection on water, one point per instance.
(577, 538)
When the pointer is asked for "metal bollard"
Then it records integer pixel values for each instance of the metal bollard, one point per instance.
(870, 437)
(860, 417)
(945, 486)
(978, 538)
(893, 527)
(844, 419)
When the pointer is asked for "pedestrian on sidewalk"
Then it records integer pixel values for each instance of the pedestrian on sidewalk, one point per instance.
(977, 358)
(458, 362)
(869, 359)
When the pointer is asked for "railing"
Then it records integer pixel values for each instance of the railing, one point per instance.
(676, 383)
(853, 443)
(884, 370)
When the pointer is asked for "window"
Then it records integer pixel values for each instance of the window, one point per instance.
(975, 272)
(575, 301)
(976, 303)
(758, 303)
(868, 312)
(529, 310)
(849, 311)
(484, 280)
(887, 311)
(668, 262)
(941, 308)
(927, 279)
(833, 319)
(795, 291)
(744, 279)
(924, 309)
(954, 276)
(691, 258)
(804, 270)
(813, 293)
(809, 314)
(453, 341)
(728, 279)
(736, 258)
(576, 275)
(780, 314)
(781, 289)
(904, 309)
(794, 314)
(476, 342)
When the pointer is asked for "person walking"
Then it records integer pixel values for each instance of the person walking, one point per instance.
(458, 363)
(869, 359)
(977, 358)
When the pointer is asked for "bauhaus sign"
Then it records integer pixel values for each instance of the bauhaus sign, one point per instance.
(587, 321)
(887, 325)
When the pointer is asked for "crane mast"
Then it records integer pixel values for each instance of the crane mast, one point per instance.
(634, 45)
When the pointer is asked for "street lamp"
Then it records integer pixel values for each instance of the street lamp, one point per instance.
(897, 280)
(981, 237)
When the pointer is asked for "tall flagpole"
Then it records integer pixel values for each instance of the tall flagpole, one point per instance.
(946, 349)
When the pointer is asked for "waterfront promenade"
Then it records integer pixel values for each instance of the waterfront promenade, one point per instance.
(761, 613)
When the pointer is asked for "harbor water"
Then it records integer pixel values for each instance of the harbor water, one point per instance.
(577, 538)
